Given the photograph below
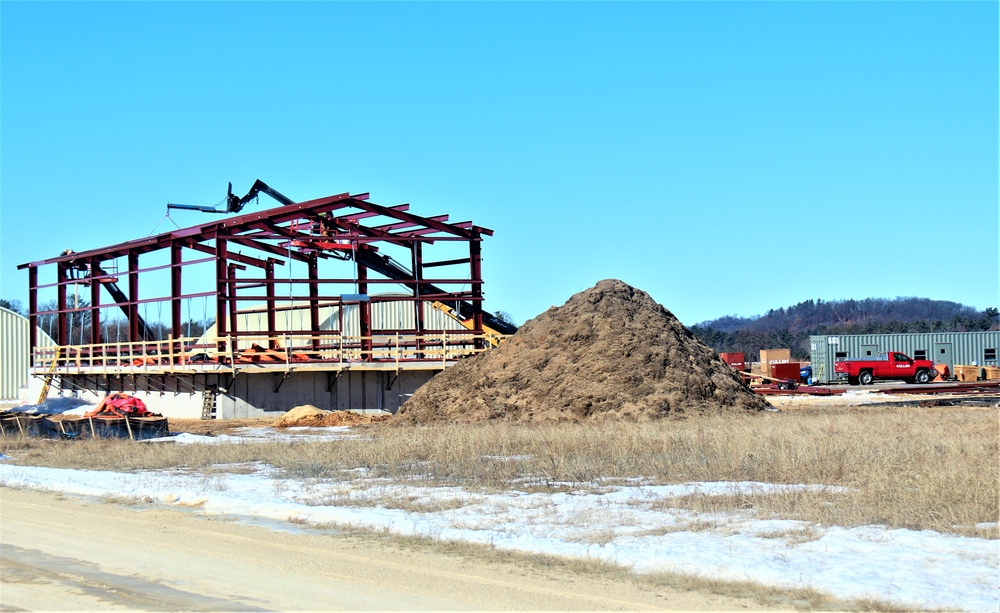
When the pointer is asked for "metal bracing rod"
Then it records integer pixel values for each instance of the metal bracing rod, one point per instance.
(272, 249)
(238, 257)
(407, 281)
(446, 262)
(125, 302)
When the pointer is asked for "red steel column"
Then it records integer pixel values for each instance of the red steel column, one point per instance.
(176, 266)
(32, 309)
(314, 298)
(476, 265)
(272, 321)
(233, 303)
(61, 305)
(221, 258)
(365, 315)
(418, 304)
(95, 302)
(133, 298)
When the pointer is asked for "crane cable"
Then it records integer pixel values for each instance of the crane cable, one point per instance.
(166, 216)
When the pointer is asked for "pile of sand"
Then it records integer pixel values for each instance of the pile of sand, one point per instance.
(610, 353)
(308, 415)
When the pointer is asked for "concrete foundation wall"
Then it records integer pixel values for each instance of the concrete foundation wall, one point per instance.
(254, 395)
(361, 391)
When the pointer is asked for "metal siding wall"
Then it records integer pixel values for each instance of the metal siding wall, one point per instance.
(392, 316)
(396, 315)
(385, 316)
(966, 346)
(14, 352)
(818, 356)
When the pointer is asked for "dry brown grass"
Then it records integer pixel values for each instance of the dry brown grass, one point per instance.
(914, 468)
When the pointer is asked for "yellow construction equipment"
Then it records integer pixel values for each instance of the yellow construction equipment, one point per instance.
(493, 337)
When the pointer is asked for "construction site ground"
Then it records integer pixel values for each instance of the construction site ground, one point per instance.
(851, 399)
(610, 354)
(856, 397)
(151, 558)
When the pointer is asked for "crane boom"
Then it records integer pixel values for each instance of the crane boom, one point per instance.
(235, 204)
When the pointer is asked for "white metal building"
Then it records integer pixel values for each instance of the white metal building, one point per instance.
(15, 353)
(950, 348)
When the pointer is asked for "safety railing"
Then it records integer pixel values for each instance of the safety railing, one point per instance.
(237, 352)
(120, 356)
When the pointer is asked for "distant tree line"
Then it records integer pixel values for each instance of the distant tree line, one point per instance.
(790, 327)
(13, 305)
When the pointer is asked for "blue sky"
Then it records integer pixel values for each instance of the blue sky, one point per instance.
(727, 158)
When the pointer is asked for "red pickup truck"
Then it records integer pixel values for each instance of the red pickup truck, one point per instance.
(894, 366)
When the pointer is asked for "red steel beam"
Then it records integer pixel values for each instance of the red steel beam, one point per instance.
(313, 297)
(33, 309)
(221, 269)
(95, 303)
(270, 298)
(133, 296)
(176, 291)
(61, 305)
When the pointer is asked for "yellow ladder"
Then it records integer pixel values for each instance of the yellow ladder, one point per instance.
(48, 379)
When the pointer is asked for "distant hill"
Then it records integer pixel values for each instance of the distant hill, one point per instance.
(791, 326)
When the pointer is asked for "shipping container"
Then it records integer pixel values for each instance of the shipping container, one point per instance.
(949, 348)
(785, 370)
(734, 359)
(769, 357)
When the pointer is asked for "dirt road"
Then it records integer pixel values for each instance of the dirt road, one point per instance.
(60, 553)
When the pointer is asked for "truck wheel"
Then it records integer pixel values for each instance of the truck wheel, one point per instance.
(865, 378)
(922, 377)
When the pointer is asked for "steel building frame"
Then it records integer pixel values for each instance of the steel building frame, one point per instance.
(246, 250)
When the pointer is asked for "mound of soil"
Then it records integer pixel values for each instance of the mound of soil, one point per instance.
(610, 353)
(308, 415)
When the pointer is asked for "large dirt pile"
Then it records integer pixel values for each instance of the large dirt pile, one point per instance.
(610, 353)
(308, 415)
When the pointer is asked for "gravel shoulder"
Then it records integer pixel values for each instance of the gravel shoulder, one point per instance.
(61, 553)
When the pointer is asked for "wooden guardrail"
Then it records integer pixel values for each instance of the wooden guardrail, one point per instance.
(197, 354)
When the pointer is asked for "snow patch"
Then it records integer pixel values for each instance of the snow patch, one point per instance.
(616, 524)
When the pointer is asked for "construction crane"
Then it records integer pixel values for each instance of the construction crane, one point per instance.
(235, 204)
